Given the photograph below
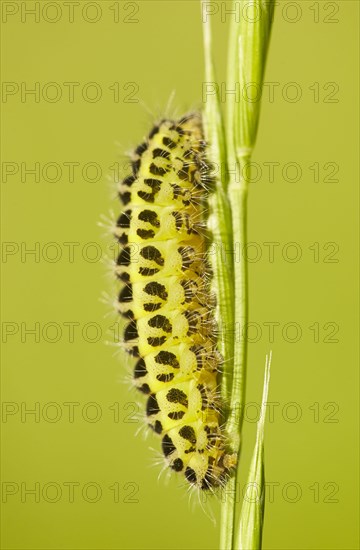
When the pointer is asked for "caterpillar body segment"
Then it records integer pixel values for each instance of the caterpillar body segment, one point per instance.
(166, 298)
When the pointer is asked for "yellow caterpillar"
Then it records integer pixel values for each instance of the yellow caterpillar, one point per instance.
(167, 298)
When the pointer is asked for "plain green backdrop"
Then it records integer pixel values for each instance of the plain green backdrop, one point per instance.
(94, 483)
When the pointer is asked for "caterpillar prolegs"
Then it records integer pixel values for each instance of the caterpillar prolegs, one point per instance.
(166, 297)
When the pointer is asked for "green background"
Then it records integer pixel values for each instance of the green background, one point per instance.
(311, 440)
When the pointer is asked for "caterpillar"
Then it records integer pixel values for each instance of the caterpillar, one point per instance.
(166, 298)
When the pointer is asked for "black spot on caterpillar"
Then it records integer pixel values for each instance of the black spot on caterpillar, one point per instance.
(168, 300)
(152, 406)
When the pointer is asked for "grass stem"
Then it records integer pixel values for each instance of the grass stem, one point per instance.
(248, 45)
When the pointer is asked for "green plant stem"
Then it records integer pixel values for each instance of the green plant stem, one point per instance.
(228, 515)
(238, 192)
(248, 44)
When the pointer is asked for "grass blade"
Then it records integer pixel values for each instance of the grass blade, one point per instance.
(252, 512)
(220, 219)
(253, 43)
